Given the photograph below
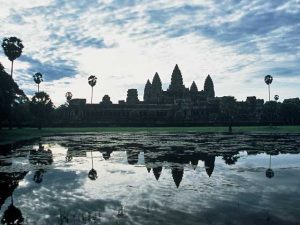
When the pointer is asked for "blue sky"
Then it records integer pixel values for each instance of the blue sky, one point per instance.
(125, 42)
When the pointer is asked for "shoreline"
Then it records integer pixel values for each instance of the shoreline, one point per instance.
(25, 134)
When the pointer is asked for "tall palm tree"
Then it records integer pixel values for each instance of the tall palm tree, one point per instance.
(38, 78)
(69, 96)
(92, 82)
(268, 81)
(13, 49)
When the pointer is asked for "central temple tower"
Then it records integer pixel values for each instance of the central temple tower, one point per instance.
(176, 88)
(177, 92)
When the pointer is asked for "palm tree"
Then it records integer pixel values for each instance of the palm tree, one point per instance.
(13, 49)
(92, 82)
(38, 78)
(68, 96)
(268, 81)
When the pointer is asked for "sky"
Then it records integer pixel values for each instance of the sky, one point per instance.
(124, 42)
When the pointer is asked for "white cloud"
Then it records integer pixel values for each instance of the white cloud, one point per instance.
(124, 45)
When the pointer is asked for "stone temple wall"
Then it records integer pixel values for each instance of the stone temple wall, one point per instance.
(177, 105)
(179, 113)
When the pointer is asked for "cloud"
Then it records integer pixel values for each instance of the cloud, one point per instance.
(234, 41)
(51, 70)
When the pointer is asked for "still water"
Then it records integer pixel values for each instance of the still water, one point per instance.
(144, 178)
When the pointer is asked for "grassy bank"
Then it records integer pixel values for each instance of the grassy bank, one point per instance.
(11, 136)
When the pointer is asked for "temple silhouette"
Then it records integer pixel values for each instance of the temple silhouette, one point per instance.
(178, 105)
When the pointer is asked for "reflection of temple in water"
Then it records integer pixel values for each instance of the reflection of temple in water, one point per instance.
(177, 159)
(132, 156)
(106, 151)
(40, 158)
(156, 159)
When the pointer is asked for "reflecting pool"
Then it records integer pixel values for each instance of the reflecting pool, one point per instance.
(145, 178)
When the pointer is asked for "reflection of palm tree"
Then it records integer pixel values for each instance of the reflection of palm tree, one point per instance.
(38, 78)
(268, 81)
(13, 49)
(92, 173)
(92, 82)
(269, 171)
(230, 159)
(69, 156)
(12, 215)
(120, 212)
(38, 176)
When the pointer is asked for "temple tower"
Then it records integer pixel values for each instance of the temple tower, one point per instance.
(176, 80)
(156, 89)
(106, 100)
(194, 88)
(194, 92)
(132, 96)
(209, 90)
(147, 92)
(176, 88)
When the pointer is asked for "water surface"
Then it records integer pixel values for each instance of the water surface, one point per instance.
(142, 178)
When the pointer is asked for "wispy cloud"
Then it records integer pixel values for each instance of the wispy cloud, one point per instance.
(234, 41)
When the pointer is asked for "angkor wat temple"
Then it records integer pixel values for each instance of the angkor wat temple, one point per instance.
(178, 105)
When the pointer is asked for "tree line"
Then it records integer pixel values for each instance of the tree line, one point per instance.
(18, 110)
(15, 107)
